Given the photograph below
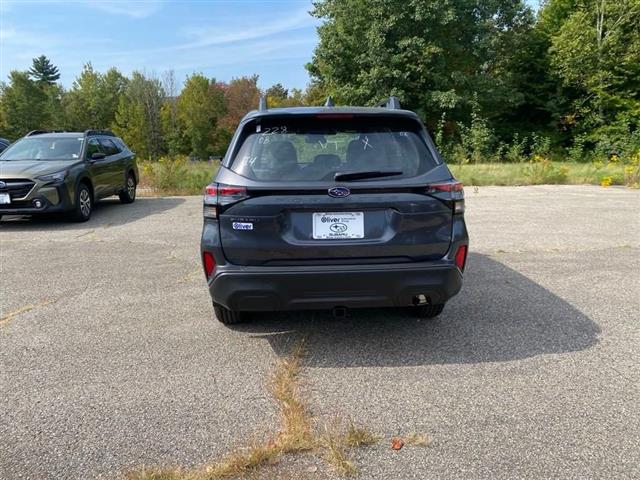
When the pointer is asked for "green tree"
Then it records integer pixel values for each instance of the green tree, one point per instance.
(437, 57)
(172, 133)
(93, 98)
(241, 95)
(112, 86)
(44, 71)
(199, 107)
(221, 135)
(276, 95)
(138, 116)
(24, 106)
(595, 50)
(315, 94)
(277, 91)
(54, 111)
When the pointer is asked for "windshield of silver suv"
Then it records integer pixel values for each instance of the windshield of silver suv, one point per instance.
(42, 148)
(332, 147)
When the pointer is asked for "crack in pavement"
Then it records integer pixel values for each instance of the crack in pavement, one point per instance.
(9, 316)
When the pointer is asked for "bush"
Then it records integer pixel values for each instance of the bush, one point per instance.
(541, 171)
(177, 175)
(540, 145)
(632, 172)
(167, 173)
(515, 151)
(477, 139)
(577, 150)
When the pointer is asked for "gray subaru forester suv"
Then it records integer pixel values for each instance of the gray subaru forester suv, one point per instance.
(332, 208)
(50, 172)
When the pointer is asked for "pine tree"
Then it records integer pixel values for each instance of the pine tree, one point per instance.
(44, 71)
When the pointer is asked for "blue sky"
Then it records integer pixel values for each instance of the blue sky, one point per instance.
(222, 39)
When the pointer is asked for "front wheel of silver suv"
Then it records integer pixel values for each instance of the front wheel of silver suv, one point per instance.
(128, 195)
(84, 204)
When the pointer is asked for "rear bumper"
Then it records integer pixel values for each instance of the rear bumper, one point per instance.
(321, 287)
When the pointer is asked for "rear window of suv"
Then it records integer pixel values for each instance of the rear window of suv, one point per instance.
(312, 149)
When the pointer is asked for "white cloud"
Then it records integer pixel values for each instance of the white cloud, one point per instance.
(250, 53)
(129, 8)
(207, 37)
(11, 37)
(216, 36)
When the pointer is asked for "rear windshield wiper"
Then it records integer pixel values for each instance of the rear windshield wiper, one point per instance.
(368, 174)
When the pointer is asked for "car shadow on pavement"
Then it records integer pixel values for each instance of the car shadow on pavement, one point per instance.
(500, 315)
(106, 213)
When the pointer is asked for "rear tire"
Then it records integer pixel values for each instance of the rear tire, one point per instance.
(128, 195)
(84, 204)
(226, 316)
(428, 311)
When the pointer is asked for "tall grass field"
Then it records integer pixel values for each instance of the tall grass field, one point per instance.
(180, 176)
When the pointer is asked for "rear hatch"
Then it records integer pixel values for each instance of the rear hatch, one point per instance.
(334, 189)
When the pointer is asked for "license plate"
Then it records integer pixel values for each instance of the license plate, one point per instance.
(5, 199)
(337, 225)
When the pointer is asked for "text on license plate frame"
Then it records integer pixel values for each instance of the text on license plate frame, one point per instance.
(337, 225)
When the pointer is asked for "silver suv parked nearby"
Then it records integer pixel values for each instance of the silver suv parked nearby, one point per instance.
(49, 172)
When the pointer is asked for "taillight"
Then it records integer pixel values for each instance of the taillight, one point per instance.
(209, 263)
(219, 195)
(230, 192)
(211, 194)
(210, 208)
(455, 191)
(444, 187)
(461, 257)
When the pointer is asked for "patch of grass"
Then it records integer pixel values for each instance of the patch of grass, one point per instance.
(360, 436)
(334, 444)
(239, 462)
(536, 173)
(296, 431)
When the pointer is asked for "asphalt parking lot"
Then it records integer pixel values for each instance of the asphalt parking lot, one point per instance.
(115, 360)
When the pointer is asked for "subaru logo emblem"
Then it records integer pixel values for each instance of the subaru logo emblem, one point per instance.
(339, 192)
(2, 184)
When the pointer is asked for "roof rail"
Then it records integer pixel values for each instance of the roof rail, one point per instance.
(107, 133)
(329, 102)
(40, 132)
(391, 102)
(262, 105)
